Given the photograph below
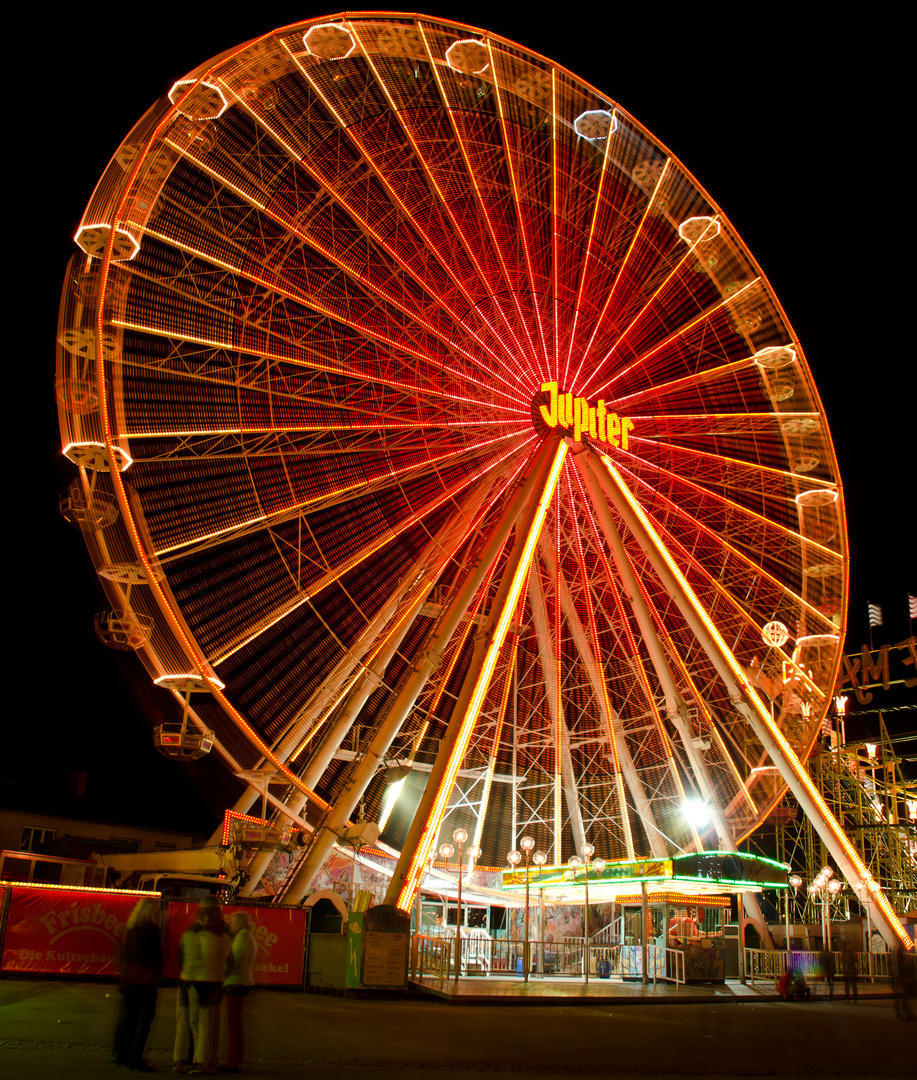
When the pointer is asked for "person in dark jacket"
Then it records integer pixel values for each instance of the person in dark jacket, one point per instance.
(140, 964)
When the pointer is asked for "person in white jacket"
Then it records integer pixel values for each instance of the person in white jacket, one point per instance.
(202, 954)
(240, 976)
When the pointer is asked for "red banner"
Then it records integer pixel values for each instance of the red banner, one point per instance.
(279, 933)
(64, 931)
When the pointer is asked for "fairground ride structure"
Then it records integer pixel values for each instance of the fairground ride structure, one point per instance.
(412, 384)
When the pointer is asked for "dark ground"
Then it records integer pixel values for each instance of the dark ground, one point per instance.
(62, 1029)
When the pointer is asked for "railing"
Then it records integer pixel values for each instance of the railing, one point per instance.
(764, 964)
(675, 966)
(433, 957)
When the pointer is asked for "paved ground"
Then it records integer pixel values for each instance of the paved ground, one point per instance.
(59, 1029)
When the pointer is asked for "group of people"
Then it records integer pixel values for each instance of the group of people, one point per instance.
(217, 963)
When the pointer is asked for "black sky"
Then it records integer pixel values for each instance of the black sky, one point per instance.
(793, 133)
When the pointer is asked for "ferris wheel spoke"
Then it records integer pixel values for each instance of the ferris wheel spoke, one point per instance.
(610, 229)
(528, 176)
(661, 268)
(341, 307)
(684, 385)
(295, 445)
(322, 580)
(489, 259)
(268, 381)
(768, 526)
(443, 178)
(299, 350)
(728, 473)
(247, 185)
(629, 259)
(189, 544)
(751, 569)
(460, 263)
(634, 363)
(443, 548)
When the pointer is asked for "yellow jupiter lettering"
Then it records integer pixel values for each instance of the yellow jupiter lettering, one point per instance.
(549, 414)
(581, 417)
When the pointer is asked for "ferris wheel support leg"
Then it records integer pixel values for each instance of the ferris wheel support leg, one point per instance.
(675, 704)
(558, 723)
(612, 722)
(324, 698)
(746, 700)
(433, 803)
(364, 770)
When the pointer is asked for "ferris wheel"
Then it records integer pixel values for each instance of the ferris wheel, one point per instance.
(432, 421)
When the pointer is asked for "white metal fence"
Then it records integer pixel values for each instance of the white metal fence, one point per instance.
(482, 955)
(767, 965)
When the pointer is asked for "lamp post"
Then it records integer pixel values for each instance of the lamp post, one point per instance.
(825, 887)
(539, 858)
(862, 891)
(447, 851)
(575, 862)
(527, 845)
(795, 880)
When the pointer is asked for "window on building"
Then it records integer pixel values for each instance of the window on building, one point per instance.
(31, 838)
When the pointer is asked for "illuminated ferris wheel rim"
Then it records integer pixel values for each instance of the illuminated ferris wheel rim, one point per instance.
(499, 436)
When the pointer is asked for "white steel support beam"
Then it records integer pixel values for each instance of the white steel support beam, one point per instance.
(429, 815)
(612, 722)
(527, 489)
(548, 660)
(325, 697)
(676, 707)
(745, 698)
(593, 477)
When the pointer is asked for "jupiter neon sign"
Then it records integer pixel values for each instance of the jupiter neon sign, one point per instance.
(580, 416)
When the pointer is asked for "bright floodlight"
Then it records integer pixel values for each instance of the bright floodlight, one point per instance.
(460, 836)
(514, 858)
(527, 843)
(697, 813)
(446, 850)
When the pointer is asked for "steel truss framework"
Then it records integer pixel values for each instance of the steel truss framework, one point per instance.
(344, 302)
(865, 787)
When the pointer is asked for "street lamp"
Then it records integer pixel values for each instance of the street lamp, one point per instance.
(527, 844)
(447, 851)
(574, 863)
(825, 887)
(796, 881)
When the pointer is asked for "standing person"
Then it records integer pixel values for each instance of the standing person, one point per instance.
(826, 960)
(140, 964)
(240, 976)
(202, 955)
(903, 984)
(851, 976)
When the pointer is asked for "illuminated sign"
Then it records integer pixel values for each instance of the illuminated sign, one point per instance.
(580, 416)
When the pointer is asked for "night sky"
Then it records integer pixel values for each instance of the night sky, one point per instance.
(792, 138)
